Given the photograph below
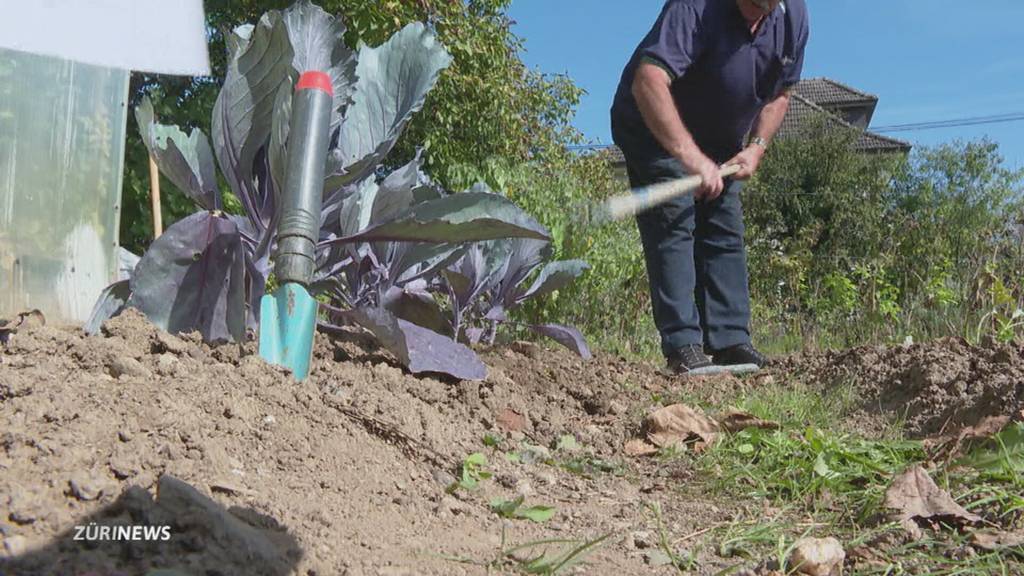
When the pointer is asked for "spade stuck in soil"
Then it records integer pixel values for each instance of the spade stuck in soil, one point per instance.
(288, 316)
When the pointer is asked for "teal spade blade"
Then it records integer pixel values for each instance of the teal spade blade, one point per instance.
(287, 326)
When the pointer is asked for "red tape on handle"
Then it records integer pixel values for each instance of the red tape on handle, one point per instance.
(315, 80)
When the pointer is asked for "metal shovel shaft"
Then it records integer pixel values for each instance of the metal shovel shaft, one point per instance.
(299, 228)
(288, 316)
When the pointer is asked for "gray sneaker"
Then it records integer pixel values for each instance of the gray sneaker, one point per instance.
(691, 361)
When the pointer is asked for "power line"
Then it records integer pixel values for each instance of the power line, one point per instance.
(951, 123)
(911, 127)
(589, 147)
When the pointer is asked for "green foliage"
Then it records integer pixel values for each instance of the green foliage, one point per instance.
(1001, 456)
(787, 466)
(609, 303)
(567, 554)
(474, 470)
(847, 247)
(514, 510)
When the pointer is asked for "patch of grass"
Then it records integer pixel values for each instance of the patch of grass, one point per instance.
(940, 557)
(553, 556)
(810, 470)
(818, 469)
(798, 405)
(684, 565)
(542, 557)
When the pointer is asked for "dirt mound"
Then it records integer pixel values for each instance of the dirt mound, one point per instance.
(350, 472)
(933, 387)
(345, 473)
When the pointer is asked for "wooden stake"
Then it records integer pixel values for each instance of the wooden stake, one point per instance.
(154, 195)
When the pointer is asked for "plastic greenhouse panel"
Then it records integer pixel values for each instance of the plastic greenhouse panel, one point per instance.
(62, 127)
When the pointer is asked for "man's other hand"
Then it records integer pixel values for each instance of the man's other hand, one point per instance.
(711, 179)
(749, 159)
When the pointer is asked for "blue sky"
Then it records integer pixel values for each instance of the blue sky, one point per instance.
(927, 60)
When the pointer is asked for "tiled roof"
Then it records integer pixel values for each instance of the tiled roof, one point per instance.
(614, 155)
(811, 98)
(802, 111)
(827, 92)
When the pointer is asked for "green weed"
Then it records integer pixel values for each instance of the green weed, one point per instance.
(474, 469)
(514, 510)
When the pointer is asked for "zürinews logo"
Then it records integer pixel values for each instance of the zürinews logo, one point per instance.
(99, 533)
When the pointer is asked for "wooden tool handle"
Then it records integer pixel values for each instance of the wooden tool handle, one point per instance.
(641, 199)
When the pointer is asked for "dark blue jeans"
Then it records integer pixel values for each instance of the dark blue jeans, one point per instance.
(696, 263)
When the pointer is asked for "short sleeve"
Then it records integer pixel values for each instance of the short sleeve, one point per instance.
(673, 43)
(793, 67)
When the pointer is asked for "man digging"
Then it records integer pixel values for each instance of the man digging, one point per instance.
(709, 75)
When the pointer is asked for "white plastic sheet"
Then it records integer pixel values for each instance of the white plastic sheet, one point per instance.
(161, 36)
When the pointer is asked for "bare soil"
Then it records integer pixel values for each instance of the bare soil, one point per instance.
(932, 388)
(349, 472)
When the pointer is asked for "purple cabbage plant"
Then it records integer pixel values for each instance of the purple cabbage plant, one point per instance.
(493, 278)
(389, 247)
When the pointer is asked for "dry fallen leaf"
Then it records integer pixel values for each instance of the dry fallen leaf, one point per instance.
(25, 320)
(995, 540)
(640, 447)
(738, 421)
(916, 497)
(674, 426)
(678, 424)
(949, 446)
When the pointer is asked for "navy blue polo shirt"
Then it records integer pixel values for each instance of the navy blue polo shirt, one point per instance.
(722, 75)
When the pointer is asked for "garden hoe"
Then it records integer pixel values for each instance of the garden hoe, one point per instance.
(288, 316)
(641, 199)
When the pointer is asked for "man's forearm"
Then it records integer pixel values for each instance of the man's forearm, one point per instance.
(654, 99)
(770, 118)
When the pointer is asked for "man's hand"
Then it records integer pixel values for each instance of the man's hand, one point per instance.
(748, 160)
(711, 177)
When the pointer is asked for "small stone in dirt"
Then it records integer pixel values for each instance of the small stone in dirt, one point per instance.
(85, 486)
(532, 454)
(547, 478)
(643, 539)
(15, 546)
(443, 478)
(450, 506)
(166, 364)
(524, 488)
(528, 349)
(165, 342)
(657, 558)
(124, 436)
(123, 466)
(511, 421)
(24, 507)
(818, 557)
(121, 366)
